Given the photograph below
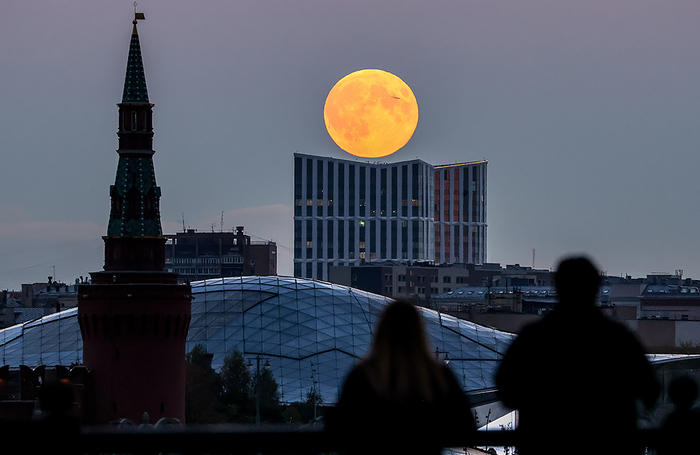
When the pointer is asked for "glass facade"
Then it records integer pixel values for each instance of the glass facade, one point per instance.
(460, 213)
(407, 211)
(384, 211)
(51, 340)
(309, 331)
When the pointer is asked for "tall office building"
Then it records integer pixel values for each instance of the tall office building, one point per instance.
(350, 212)
(460, 213)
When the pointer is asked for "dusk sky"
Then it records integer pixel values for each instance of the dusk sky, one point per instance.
(587, 112)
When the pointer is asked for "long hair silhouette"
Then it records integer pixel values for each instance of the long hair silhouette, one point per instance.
(400, 365)
(399, 396)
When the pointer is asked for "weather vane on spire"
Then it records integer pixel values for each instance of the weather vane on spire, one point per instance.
(138, 16)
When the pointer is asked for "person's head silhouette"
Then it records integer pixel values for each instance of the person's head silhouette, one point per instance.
(577, 281)
(400, 331)
(400, 361)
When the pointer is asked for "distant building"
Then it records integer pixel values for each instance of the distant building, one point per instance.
(52, 294)
(675, 302)
(202, 255)
(347, 213)
(423, 281)
(36, 300)
(663, 310)
(536, 300)
(8, 306)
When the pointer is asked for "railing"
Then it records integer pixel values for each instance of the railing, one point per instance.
(232, 439)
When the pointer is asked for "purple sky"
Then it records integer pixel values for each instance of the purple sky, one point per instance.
(588, 113)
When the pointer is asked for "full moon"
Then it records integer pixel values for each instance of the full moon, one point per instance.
(371, 113)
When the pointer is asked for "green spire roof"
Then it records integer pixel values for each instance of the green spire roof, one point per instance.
(135, 199)
(135, 90)
(135, 196)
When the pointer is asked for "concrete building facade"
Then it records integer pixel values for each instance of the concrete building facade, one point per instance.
(204, 255)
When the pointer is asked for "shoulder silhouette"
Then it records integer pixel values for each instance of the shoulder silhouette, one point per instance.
(399, 398)
(682, 423)
(576, 373)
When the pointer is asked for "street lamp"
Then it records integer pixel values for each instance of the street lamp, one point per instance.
(445, 358)
(314, 395)
(258, 358)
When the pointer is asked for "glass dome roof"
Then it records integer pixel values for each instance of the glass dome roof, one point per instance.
(310, 332)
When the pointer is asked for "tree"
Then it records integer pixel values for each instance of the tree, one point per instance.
(313, 397)
(230, 395)
(268, 389)
(236, 386)
(314, 402)
(304, 411)
(202, 389)
(200, 357)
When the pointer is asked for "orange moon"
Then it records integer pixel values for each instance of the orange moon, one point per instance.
(371, 113)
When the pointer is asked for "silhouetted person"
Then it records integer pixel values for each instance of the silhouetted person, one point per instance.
(400, 399)
(575, 376)
(681, 426)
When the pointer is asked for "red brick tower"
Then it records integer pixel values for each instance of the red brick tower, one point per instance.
(134, 316)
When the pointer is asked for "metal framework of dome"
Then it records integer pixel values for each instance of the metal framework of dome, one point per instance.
(310, 332)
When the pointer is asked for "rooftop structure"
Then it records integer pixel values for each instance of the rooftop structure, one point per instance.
(424, 280)
(197, 256)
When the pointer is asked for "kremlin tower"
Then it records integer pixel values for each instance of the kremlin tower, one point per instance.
(134, 316)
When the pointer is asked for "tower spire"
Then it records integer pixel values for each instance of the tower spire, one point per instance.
(135, 213)
(135, 90)
(134, 316)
